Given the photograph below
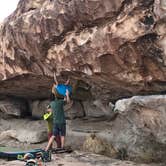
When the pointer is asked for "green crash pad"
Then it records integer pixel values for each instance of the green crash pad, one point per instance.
(16, 153)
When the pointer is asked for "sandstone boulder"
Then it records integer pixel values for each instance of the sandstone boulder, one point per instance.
(115, 47)
(140, 127)
(26, 131)
(96, 145)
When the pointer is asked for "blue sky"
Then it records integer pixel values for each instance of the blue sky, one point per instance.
(7, 7)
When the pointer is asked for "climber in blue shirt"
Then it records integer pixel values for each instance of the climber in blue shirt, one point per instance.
(60, 89)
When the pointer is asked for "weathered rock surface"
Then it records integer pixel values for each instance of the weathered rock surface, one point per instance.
(96, 145)
(39, 108)
(13, 107)
(154, 102)
(110, 49)
(74, 110)
(138, 132)
(116, 47)
(23, 130)
(140, 127)
(97, 108)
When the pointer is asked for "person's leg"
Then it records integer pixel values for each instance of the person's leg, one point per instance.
(63, 134)
(50, 142)
(58, 141)
(49, 136)
(56, 133)
(62, 141)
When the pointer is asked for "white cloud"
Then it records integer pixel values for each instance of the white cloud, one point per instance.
(7, 7)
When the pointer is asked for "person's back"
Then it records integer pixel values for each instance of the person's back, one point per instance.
(58, 111)
(59, 122)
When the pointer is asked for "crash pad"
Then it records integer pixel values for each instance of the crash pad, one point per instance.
(61, 150)
(16, 153)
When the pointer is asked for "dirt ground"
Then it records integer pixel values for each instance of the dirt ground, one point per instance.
(78, 158)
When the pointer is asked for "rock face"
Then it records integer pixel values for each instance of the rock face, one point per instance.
(109, 48)
(97, 108)
(137, 133)
(140, 127)
(39, 108)
(74, 110)
(25, 131)
(117, 47)
(13, 107)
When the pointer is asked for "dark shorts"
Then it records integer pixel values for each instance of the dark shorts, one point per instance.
(59, 129)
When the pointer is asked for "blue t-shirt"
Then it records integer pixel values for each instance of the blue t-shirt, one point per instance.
(61, 89)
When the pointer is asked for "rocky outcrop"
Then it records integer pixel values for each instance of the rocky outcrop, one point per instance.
(97, 108)
(24, 131)
(109, 49)
(98, 146)
(154, 102)
(39, 108)
(116, 47)
(140, 127)
(137, 133)
(11, 107)
(74, 110)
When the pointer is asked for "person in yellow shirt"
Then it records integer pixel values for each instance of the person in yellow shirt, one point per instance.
(48, 116)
